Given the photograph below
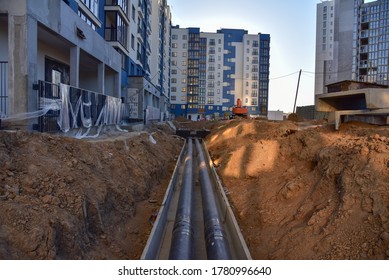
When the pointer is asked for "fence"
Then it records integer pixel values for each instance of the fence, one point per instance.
(71, 108)
(3, 88)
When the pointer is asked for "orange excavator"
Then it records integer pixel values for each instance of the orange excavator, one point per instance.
(239, 111)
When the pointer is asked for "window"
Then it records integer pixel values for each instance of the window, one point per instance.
(133, 13)
(174, 80)
(183, 107)
(174, 37)
(184, 37)
(132, 42)
(174, 71)
(92, 5)
(174, 45)
(173, 98)
(174, 54)
(174, 89)
(183, 98)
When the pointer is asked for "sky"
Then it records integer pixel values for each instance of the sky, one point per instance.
(292, 28)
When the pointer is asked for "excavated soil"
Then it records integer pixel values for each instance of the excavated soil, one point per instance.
(298, 191)
(63, 198)
(303, 192)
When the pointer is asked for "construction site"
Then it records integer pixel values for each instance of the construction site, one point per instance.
(296, 190)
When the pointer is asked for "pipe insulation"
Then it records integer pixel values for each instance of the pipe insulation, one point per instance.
(215, 236)
(182, 238)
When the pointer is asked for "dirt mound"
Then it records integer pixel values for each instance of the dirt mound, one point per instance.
(63, 198)
(307, 194)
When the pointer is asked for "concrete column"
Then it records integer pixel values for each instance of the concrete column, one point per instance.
(101, 78)
(22, 66)
(117, 86)
(75, 66)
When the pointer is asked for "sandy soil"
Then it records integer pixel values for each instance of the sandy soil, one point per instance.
(63, 198)
(303, 192)
(298, 191)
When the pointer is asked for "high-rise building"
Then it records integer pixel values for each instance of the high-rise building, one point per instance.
(352, 42)
(210, 71)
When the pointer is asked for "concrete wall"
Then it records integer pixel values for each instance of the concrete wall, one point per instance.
(45, 50)
(88, 81)
(275, 115)
(61, 19)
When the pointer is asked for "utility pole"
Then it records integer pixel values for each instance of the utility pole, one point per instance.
(297, 91)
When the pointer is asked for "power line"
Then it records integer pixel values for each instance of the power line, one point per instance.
(284, 76)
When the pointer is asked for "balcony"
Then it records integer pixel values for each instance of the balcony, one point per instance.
(113, 34)
(123, 4)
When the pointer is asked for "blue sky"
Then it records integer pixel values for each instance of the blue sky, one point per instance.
(291, 25)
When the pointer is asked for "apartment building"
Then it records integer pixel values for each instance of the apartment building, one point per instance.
(105, 47)
(210, 71)
(352, 42)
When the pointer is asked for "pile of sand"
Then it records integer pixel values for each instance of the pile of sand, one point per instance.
(307, 194)
(63, 198)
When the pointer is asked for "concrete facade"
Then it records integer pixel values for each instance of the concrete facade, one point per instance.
(100, 45)
(38, 31)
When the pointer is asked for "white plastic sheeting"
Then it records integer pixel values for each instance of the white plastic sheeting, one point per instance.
(153, 114)
(111, 111)
(46, 104)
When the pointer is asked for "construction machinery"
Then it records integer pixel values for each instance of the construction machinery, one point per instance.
(239, 111)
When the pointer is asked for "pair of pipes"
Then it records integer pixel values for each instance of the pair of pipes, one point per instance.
(215, 238)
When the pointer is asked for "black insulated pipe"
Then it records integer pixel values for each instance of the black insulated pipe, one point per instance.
(182, 238)
(215, 236)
